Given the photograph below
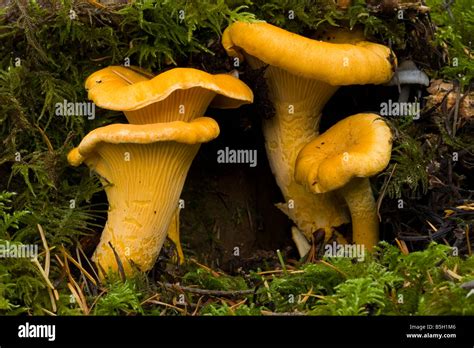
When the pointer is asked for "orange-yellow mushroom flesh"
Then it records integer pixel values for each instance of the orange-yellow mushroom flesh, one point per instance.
(143, 169)
(179, 94)
(342, 159)
(302, 74)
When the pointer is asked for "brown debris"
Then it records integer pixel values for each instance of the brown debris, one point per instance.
(343, 4)
(445, 92)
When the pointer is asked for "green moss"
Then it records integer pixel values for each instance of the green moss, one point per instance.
(455, 33)
(121, 298)
(386, 283)
(225, 310)
(446, 298)
(206, 280)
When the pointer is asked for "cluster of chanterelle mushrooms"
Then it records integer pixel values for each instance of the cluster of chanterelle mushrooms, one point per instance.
(323, 178)
(143, 165)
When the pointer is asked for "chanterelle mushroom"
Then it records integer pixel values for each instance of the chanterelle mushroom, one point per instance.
(143, 169)
(342, 158)
(177, 94)
(302, 75)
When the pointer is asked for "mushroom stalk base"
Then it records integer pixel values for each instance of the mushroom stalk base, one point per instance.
(143, 184)
(362, 206)
(301, 242)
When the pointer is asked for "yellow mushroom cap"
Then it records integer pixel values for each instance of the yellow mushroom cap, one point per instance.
(200, 130)
(357, 146)
(128, 89)
(337, 64)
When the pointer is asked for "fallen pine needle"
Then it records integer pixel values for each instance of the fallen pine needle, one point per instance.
(43, 273)
(79, 266)
(56, 294)
(306, 296)
(59, 261)
(432, 226)
(207, 292)
(402, 246)
(82, 299)
(429, 277)
(333, 267)
(83, 306)
(150, 298)
(48, 312)
(96, 300)
(238, 304)
(468, 241)
(167, 305)
(282, 314)
(452, 274)
(198, 304)
(47, 261)
(214, 273)
(53, 302)
(87, 260)
(279, 271)
(265, 283)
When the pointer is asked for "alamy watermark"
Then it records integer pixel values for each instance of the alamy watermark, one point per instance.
(352, 251)
(66, 108)
(237, 156)
(12, 250)
(37, 331)
(392, 108)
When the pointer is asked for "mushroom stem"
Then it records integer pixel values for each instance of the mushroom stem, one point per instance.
(298, 103)
(360, 200)
(404, 94)
(285, 135)
(142, 200)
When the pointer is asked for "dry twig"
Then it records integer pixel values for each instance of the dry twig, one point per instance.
(224, 293)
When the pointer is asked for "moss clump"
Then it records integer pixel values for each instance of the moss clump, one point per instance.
(208, 280)
(455, 35)
(384, 283)
(121, 298)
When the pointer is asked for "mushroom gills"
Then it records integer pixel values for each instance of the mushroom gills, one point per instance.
(155, 173)
(143, 169)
